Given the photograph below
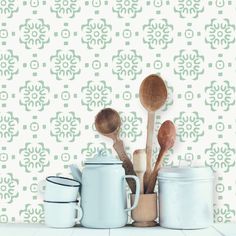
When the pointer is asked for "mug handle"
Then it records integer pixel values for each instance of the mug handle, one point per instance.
(41, 187)
(79, 214)
(137, 192)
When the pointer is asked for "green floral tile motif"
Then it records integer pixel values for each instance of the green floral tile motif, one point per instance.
(61, 61)
(33, 214)
(8, 65)
(189, 126)
(3, 98)
(34, 95)
(3, 157)
(3, 35)
(65, 8)
(34, 33)
(158, 3)
(169, 102)
(127, 65)
(157, 33)
(35, 3)
(223, 214)
(187, 159)
(189, 8)
(131, 126)
(34, 187)
(189, 65)
(65, 65)
(220, 95)
(127, 8)
(34, 157)
(8, 188)
(65, 127)
(95, 95)
(220, 157)
(96, 34)
(8, 126)
(220, 33)
(8, 8)
(92, 149)
(4, 218)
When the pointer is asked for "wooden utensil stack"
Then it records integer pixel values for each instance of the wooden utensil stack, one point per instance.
(153, 94)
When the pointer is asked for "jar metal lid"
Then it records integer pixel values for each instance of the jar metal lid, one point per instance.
(186, 173)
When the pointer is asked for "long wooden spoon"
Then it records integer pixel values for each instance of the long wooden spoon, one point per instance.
(152, 94)
(166, 139)
(108, 123)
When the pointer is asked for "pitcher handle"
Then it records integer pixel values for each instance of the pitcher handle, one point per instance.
(137, 192)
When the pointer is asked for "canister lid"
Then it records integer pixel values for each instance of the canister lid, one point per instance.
(102, 158)
(187, 173)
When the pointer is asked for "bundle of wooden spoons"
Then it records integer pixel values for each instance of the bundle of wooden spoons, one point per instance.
(153, 94)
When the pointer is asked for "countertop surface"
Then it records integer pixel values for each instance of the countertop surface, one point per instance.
(41, 230)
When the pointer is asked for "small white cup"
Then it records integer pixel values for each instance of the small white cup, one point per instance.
(59, 189)
(62, 214)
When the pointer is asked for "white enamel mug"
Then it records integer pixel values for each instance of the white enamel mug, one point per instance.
(60, 189)
(62, 214)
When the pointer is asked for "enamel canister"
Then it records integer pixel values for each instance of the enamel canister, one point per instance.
(185, 197)
(103, 195)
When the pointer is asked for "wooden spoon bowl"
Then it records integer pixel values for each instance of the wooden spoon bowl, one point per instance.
(153, 92)
(107, 121)
(166, 135)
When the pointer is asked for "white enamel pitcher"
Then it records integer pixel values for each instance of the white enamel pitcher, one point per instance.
(103, 193)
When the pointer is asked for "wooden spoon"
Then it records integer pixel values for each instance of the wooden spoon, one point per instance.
(166, 140)
(108, 123)
(152, 94)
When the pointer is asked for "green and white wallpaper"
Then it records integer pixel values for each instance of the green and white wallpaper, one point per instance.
(61, 61)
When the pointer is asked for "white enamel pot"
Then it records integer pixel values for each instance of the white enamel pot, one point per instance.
(185, 197)
(103, 193)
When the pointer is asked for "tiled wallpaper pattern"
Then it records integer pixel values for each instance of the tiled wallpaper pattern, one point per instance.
(61, 61)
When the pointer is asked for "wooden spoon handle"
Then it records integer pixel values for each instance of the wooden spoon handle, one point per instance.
(150, 129)
(127, 164)
(139, 164)
(153, 176)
